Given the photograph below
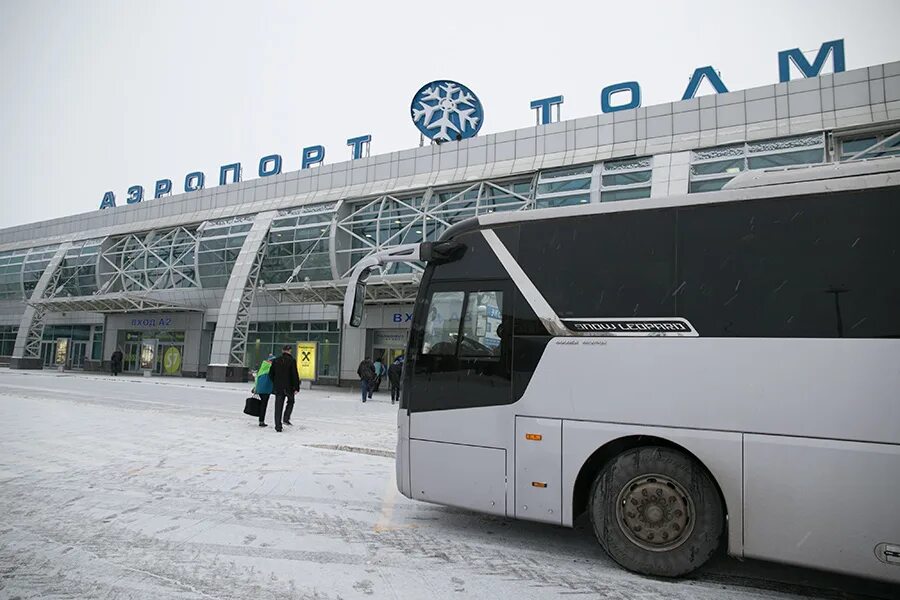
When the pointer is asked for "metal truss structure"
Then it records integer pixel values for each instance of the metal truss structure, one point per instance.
(35, 330)
(240, 332)
(389, 220)
(155, 260)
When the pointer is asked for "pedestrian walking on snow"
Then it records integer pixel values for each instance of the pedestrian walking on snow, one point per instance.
(380, 372)
(285, 383)
(115, 362)
(393, 373)
(366, 372)
(263, 387)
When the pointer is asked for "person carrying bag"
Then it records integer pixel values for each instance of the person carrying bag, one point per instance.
(263, 388)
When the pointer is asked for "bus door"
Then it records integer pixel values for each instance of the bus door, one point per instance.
(459, 391)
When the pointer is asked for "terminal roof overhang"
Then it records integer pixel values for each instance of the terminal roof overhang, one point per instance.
(121, 302)
(387, 289)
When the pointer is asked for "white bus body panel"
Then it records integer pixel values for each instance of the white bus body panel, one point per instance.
(486, 427)
(603, 389)
(538, 489)
(822, 503)
(676, 388)
(401, 462)
(470, 477)
(825, 388)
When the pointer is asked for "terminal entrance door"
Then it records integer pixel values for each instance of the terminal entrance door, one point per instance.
(388, 344)
(131, 360)
(47, 354)
(77, 353)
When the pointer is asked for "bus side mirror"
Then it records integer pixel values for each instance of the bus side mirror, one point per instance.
(441, 252)
(359, 300)
(355, 297)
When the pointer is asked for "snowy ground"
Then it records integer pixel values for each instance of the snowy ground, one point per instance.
(158, 489)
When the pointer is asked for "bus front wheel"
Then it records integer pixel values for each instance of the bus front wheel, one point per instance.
(656, 511)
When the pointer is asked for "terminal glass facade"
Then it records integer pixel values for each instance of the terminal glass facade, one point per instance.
(78, 271)
(218, 249)
(155, 260)
(627, 179)
(7, 339)
(299, 245)
(269, 337)
(11, 274)
(564, 187)
(856, 144)
(35, 263)
(712, 168)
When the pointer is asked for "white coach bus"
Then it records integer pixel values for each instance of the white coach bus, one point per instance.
(694, 371)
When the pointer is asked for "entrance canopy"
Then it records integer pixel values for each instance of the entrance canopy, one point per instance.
(120, 302)
(386, 289)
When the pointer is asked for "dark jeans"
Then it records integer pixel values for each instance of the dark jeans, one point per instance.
(366, 387)
(263, 405)
(289, 408)
(279, 408)
(377, 383)
(395, 394)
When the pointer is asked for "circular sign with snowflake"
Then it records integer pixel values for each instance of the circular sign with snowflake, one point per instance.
(445, 110)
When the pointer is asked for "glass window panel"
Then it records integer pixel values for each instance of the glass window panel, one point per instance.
(215, 244)
(801, 157)
(624, 194)
(563, 201)
(734, 165)
(708, 185)
(442, 325)
(481, 327)
(626, 178)
(564, 186)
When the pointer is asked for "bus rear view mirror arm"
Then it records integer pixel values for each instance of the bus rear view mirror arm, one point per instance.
(355, 295)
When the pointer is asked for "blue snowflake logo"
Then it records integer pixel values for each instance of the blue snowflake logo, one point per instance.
(446, 110)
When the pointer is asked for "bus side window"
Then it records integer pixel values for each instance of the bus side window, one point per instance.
(442, 325)
(482, 329)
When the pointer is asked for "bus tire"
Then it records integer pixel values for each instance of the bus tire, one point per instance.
(656, 511)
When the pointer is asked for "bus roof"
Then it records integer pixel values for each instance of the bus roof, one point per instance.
(764, 183)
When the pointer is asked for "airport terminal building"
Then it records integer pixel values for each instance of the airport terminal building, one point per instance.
(206, 283)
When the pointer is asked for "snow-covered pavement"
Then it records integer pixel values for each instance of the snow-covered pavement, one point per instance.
(134, 488)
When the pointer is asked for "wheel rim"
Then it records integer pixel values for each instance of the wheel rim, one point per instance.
(655, 512)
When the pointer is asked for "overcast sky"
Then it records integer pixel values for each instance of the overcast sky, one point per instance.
(98, 96)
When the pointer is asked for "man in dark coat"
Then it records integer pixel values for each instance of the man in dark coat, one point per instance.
(394, 372)
(115, 362)
(366, 372)
(285, 383)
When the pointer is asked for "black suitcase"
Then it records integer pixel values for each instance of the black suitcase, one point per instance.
(252, 406)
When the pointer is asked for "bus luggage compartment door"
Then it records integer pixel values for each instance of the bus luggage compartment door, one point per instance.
(538, 469)
(822, 503)
(472, 477)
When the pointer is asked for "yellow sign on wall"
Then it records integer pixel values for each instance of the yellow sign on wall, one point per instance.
(307, 353)
(172, 361)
